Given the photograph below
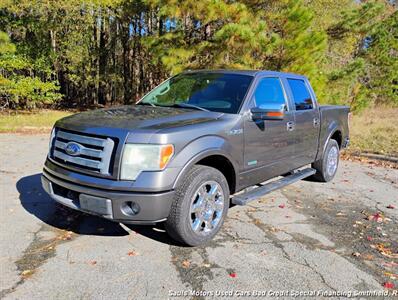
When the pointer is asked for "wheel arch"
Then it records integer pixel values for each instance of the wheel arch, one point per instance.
(337, 136)
(217, 159)
(334, 133)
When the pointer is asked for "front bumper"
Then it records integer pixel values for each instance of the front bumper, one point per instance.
(119, 206)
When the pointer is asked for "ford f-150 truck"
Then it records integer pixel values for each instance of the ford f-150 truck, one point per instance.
(195, 145)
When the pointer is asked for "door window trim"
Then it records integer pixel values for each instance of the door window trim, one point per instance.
(252, 101)
(309, 90)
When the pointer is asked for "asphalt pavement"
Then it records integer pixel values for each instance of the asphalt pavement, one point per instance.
(307, 240)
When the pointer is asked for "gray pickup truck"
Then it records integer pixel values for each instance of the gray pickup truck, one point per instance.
(195, 145)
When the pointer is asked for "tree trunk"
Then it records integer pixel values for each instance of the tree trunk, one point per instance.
(126, 64)
(103, 53)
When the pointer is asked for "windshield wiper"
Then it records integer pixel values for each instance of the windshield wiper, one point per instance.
(146, 103)
(186, 105)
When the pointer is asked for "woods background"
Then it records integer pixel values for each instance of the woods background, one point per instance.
(77, 54)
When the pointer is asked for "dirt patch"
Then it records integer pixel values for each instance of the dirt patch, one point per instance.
(44, 243)
(357, 157)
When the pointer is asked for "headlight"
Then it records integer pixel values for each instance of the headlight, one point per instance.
(142, 157)
(50, 144)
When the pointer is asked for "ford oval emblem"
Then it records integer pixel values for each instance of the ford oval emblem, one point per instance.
(73, 148)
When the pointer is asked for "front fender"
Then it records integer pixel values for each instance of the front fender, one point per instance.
(201, 148)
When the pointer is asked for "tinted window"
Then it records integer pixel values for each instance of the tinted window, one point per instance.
(269, 91)
(301, 95)
(213, 91)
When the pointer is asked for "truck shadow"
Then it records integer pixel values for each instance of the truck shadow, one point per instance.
(36, 202)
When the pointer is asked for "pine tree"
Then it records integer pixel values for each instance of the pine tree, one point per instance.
(382, 57)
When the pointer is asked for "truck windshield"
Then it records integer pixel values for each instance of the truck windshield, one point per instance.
(210, 91)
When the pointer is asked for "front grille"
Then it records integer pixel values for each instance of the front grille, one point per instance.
(94, 153)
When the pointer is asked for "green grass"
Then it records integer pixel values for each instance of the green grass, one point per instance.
(376, 131)
(30, 122)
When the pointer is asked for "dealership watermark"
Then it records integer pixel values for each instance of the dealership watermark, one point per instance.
(282, 293)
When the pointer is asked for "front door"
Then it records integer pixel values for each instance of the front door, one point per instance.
(269, 144)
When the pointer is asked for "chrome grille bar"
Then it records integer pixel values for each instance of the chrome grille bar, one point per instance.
(94, 153)
(78, 160)
(81, 139)
(83, 151)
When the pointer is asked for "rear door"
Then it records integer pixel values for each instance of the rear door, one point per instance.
(307, 121)
(269, 144)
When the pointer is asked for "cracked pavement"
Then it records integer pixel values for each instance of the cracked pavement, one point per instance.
(301, 238)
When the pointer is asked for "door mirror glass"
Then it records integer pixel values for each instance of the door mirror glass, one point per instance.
(268, 112)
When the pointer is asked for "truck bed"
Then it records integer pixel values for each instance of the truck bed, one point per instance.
(333, 116)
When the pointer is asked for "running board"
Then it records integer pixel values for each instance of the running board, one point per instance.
(246, 197)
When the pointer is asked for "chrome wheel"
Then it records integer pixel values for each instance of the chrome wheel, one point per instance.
(207, 207)
(332, 160)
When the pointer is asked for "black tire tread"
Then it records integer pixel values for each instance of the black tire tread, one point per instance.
(174, 215)
(173, 225)
(319, 165)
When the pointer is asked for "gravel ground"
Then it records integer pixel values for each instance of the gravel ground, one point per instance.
(309, 239)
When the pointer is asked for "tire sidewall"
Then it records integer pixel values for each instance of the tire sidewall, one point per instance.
(208, 174)
(330, 145)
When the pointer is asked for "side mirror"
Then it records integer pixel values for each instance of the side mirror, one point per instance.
(268, 112)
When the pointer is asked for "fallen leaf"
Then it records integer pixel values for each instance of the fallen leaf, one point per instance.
(186, 263)
(385, 251)
(132, 253)
(390, 206)
(232, 275)
(390, 264)
(367, 256)
(257, 221)
(388, 285)
(207, 265)
(378, 217)
(391, 275)
(273, 229)
(26, 273)
(281, 205)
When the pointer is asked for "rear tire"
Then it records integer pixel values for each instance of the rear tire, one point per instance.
(200, 206)
(326, 167)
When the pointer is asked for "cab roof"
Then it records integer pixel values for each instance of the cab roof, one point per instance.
(253, 73)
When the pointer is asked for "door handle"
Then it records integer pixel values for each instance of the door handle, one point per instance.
(316, 122)
(290, 126)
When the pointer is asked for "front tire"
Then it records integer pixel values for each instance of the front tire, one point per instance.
(200, 206)
(326, 167)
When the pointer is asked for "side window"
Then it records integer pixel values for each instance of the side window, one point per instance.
(301, 95)
(269, 91)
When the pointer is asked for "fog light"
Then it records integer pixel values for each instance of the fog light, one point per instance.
(130, 208)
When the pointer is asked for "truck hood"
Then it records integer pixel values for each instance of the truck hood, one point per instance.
(137, 117)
